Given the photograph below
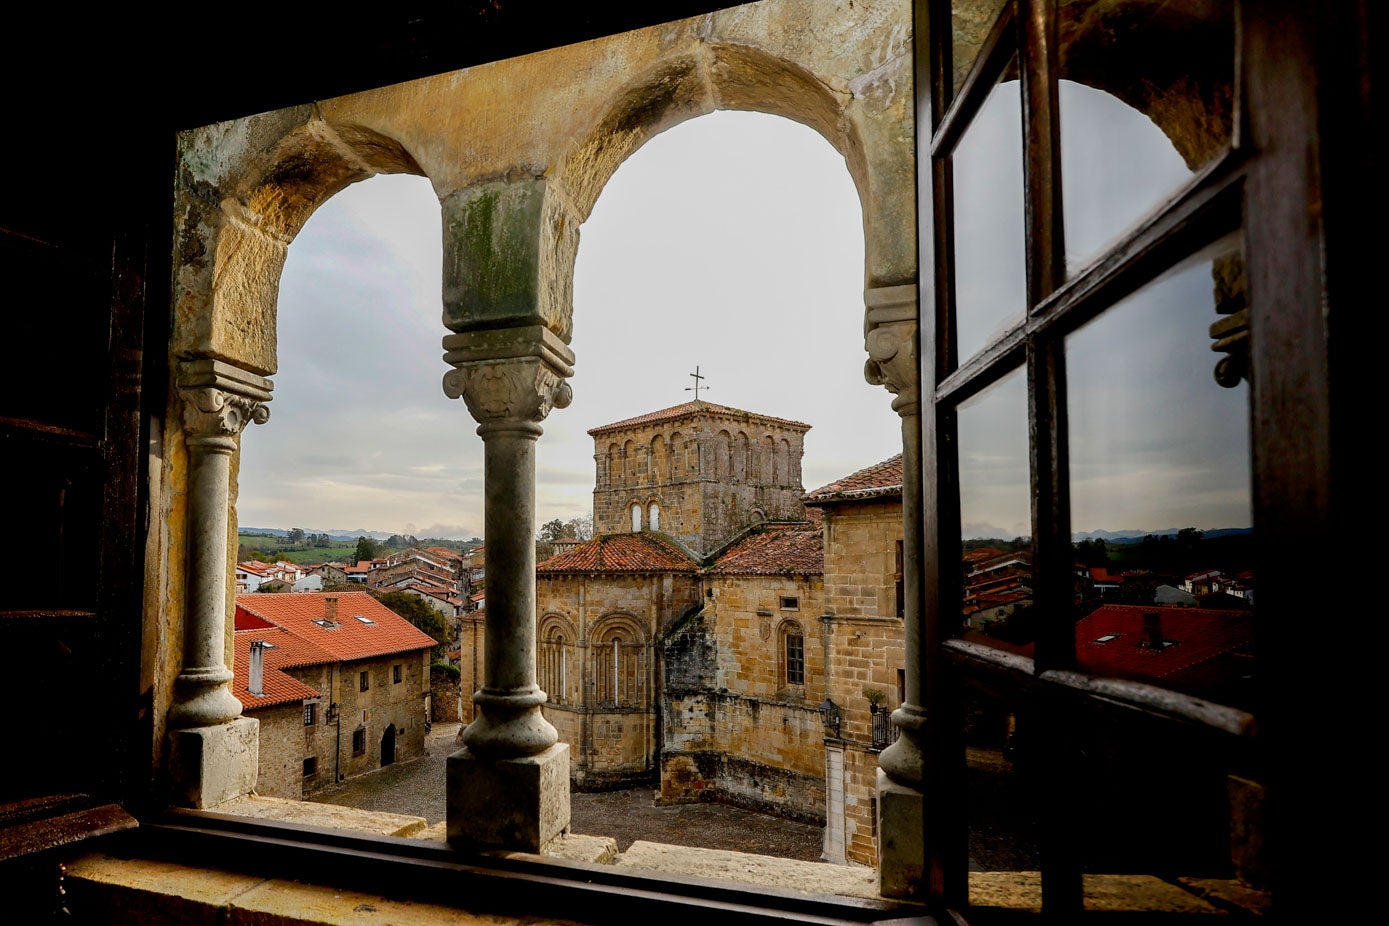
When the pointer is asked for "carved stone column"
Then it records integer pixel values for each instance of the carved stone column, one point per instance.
(213, 749)
(891, 341)
(509, 785)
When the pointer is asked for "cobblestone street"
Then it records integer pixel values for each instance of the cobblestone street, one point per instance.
(417, 788)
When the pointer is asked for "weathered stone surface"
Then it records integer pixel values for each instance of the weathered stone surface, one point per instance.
(305, 813)
(726, 865)
(212, 765)
(900, 869)
(519, 804)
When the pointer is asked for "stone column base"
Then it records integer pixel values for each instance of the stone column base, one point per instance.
(209, 765)
(518, 804)
(901, 840)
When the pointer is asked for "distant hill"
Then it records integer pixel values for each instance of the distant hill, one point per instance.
(334, 534)
(1133, 536)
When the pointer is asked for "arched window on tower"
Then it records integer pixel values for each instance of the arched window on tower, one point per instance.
(653, 516)
(636, 518)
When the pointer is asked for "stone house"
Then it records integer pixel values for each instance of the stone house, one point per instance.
(863, 629)
(352, 672)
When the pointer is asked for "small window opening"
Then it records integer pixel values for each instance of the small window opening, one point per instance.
(790, 603)
(359, 741)
(310, 766)
(395, 673)
(310, 714)
(363, 681)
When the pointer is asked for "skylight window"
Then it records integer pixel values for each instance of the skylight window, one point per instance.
(364, 620)
(325, 623)
(1107, 637)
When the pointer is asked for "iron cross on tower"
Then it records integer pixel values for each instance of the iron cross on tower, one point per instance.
(698, 385)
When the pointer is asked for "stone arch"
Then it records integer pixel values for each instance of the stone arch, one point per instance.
(740, 76)
(658, 459)
(653, 513)
(557, 669)
(629, 462)
(616, 623)
(723, 460)
(637, 512)
(677, 456)
(231, 253)
(766, 468)
(738, 463)
(783, 462)
(614, 464)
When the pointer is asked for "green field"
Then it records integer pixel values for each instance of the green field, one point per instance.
(274, 548)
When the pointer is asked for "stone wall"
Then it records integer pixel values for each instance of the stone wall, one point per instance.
(750, 621)
(443, 695)
(386, 703)
(280, 769)
(861, 557)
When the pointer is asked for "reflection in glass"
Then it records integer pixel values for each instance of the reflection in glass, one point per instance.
(1002, 799)
(1146, 100)
(990, 273)
(1160, 489)
(995, 515)
(970, 22)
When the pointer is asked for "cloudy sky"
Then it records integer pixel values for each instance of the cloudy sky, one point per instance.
(733, 243)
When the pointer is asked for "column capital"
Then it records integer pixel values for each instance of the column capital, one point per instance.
(509, 375)
(220, 400)
(890, 328)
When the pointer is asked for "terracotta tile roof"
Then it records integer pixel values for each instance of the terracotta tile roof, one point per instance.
(278, 687)
(1199, 635)
(689, 410)
(774, 549)
(349, 639)
(643, 552)
(882, 479)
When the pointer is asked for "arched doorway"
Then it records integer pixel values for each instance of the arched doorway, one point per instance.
(388, 746)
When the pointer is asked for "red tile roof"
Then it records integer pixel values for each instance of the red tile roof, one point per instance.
(774, 549)
(350, 638)
(689, 410)
(882, 479)
(278, 687)
(1199, 635)
(643, 552)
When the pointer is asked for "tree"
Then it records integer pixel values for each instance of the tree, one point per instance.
(366, 549)
(551, 531)
(296, 536)
(581, 528)
(416, 611)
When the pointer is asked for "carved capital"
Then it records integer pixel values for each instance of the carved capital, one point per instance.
(220, 400)
(890, 339)
(510, 374)
(508, 390)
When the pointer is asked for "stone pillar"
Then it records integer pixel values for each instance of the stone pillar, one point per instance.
(891, 341)
(212, 750)
(508, 787)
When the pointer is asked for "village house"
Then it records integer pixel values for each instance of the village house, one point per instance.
(340, 690)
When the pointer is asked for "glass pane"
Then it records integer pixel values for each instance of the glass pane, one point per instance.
(996, 515)
(970, 22)
(1146, 96)
(1160, 487)
(990, 268)
(1002, 800)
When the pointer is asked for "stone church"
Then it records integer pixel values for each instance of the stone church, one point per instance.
(690, 641)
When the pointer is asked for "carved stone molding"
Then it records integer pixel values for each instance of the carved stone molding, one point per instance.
(509, 375)
(890, 327)
(220, 400)
(508, 390)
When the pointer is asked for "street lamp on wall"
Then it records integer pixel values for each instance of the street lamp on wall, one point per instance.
(829, 715)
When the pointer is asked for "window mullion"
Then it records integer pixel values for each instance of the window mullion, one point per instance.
(1045, 250)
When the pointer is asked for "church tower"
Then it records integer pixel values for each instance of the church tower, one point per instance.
(698, 472)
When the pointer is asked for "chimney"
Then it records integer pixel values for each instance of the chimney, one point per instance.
(1152, 630)
(330, 608)
(256, 669)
